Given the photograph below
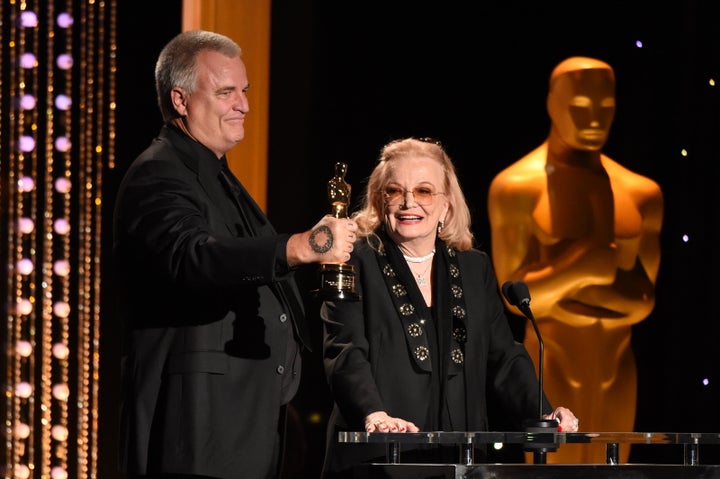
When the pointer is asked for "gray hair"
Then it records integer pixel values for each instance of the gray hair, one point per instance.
(176, 66)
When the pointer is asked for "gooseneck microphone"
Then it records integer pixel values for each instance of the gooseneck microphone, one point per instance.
(518, 295)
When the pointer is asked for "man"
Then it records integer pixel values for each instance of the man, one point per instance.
(214, 323)
(583, 232)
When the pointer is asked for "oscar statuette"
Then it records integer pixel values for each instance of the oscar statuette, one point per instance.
(337, 280)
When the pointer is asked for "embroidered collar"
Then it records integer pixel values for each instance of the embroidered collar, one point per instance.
(450, 310)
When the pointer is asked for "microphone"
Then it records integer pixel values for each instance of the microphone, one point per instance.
(518, 295)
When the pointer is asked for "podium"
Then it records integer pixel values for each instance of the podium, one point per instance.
(688, 466)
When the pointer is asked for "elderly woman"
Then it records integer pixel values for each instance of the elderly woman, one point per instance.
(430, 339)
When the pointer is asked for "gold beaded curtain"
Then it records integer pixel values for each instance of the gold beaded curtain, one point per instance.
(57, 115)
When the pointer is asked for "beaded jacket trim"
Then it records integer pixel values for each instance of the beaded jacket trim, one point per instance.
(415, 327)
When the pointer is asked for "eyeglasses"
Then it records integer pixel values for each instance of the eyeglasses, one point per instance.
(423, 195)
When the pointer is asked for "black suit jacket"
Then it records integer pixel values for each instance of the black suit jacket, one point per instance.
(369, 363)
(210, 311)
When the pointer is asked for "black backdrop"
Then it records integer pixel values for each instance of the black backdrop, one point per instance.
(346, 77)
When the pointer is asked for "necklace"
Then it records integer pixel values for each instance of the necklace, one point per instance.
(419, 259)
(420, 277)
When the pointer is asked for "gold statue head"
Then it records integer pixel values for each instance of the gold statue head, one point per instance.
(339, 192)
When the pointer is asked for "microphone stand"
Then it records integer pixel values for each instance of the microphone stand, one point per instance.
(538, 425)
(525, 308)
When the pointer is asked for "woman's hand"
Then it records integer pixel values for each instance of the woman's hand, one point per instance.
(567, 422)
(379, 421)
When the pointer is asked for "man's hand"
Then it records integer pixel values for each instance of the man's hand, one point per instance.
(329, 241)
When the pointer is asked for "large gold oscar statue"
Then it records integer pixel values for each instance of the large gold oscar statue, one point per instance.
(583, 232)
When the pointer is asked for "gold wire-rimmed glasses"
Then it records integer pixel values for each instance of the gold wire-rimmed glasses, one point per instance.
(423, 195)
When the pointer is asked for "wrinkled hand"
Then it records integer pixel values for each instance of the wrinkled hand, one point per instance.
(567, 422)
(379, 421)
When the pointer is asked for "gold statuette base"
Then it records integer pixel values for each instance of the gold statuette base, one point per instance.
(337, 283)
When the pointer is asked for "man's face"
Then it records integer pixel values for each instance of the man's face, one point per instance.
(581, 105)
(215, 112)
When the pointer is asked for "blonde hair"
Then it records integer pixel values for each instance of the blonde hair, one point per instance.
(455, 231)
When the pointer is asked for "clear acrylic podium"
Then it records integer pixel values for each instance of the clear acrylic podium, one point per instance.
(688, 466)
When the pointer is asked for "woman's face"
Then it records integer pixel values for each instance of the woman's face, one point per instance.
(415, 201)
